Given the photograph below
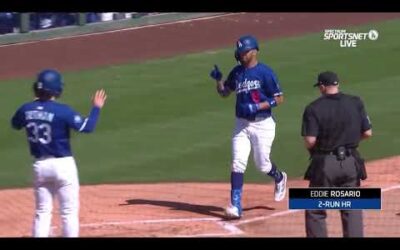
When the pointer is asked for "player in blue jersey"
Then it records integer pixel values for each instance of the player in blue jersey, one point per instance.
(47, 124)
(257, 92)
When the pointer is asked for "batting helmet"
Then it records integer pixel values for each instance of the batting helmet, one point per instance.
(50, 81)
(246, 43)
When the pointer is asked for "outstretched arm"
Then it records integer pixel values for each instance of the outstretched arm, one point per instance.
(98, 101)
(88, 124)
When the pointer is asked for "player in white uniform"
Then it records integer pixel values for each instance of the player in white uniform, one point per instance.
(47, 124)
(257, 92)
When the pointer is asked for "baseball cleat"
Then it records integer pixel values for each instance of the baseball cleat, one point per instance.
(280, 188)
(232, 212)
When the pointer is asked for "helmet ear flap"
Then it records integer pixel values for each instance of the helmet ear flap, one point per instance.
(37, 87)
(237, 56)
(34, 88)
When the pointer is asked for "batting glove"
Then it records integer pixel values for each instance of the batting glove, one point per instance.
(252, 108)
(216, 74)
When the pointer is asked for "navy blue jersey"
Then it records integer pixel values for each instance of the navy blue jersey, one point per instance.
(253, 85)
(47, 125)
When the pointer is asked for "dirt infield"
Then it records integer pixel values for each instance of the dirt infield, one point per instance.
(185, 209)
(84, 52)
(196, 210)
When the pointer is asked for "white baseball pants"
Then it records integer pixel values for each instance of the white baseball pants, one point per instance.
(56, 177)
(257, 135)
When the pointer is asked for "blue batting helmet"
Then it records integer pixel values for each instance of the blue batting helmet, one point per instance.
(246, 43)
(50, 81)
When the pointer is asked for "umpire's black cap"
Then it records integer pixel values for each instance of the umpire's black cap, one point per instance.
(327, 78)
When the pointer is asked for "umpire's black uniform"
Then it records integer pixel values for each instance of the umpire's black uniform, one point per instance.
(333, 125)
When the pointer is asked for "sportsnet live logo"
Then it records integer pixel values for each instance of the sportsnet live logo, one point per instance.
(349, 39)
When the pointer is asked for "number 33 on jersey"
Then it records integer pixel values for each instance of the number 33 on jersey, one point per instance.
(46, 124)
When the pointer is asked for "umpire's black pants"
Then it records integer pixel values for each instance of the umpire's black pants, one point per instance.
(334, 173)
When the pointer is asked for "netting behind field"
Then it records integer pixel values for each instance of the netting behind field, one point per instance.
(197, 210)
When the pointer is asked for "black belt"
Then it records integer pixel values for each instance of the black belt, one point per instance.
(348, 151)
(256, 118)
(49, 157)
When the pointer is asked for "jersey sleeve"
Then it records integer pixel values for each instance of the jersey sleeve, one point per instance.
(18, 119)
(365, 121)
(272, 85)
(80, 123)
(230, 80)
(310, 125)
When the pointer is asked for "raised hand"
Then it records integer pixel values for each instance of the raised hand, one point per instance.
(216, 74)
(99, 98)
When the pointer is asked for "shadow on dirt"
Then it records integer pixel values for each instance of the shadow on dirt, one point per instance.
(213, 211)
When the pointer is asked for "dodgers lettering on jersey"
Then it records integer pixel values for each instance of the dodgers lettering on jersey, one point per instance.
(247, 85)
(47, 125)
(253, 85)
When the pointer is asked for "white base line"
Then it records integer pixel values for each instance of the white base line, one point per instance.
(111, 223)
(230, 227)
(293, 211)
(149, 221)
(267, 217)
(232, 230)
(203, 235)
(125, 29)
(390, 188)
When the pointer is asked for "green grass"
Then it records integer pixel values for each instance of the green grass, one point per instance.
(165, 122)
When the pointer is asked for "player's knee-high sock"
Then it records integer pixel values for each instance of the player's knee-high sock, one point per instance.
(275, 173)
(236, 189)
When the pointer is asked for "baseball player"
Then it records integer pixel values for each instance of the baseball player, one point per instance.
(47, 124)
(257, 92)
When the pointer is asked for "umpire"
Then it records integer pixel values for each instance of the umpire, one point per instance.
(333, 125)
